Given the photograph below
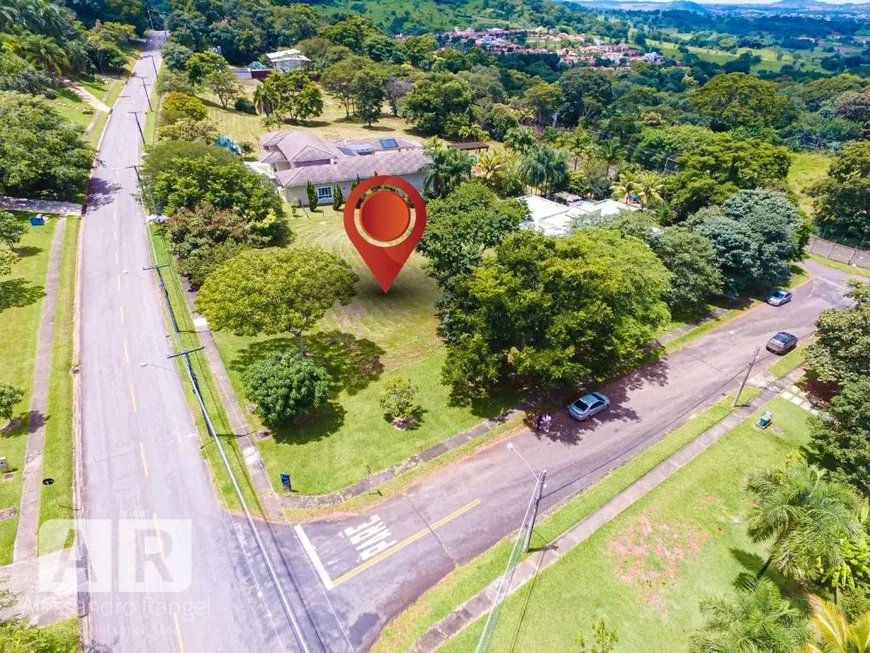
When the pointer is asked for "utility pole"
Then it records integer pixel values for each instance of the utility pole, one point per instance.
(147, 95)
(539, 492)
(138, 178)
(151, 56)
(746, 376)
(141, 133)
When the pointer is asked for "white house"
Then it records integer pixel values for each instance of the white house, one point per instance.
(298, 157)
(553, 219)
(287, 60)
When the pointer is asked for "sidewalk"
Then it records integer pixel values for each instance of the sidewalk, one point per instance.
(28, 521)
(480, 604)
(40, 206)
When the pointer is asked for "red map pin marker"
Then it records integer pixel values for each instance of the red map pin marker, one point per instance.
(384, 228)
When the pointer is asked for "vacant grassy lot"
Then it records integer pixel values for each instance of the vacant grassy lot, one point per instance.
(56, 500)
(21, 294)
(362, 345)
(333, 124)
(645, 571)
(807, 169)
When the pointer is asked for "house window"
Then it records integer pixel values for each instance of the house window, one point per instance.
(324, 193)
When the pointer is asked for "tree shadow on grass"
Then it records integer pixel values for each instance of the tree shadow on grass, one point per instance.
(27, 251)
(325, 421)
(353, 363)
(17, 293)
(752, 564)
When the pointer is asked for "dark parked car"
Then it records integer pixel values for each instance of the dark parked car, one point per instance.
(782, 343)
(779, 297)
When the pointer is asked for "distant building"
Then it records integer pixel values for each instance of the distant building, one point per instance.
(287, 60)
(553, 219)
(297, 158)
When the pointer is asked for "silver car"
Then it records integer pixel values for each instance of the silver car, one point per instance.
(779, 297)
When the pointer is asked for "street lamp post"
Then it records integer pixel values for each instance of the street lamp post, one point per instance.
(540, 482)
(748, 370)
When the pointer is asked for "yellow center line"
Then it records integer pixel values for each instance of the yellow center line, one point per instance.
(122, 314)
(404, 543)
(144, 462)
(126, 353)
(178, 632)
(133, 397)
(118, 280)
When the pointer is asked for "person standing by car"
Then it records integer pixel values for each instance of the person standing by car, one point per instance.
(548, 420)
(538, 421)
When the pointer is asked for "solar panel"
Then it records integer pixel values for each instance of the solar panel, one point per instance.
(389, 143)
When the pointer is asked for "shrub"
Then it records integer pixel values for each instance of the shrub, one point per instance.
(9, 397)
(285, 385)
(244, 105)
(399, 399)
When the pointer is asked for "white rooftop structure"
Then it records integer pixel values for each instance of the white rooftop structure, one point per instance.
(553, 219)
(286, 60)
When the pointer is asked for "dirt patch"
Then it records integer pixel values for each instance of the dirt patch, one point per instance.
(650, 553)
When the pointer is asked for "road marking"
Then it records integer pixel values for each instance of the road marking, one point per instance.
(178, 632)
(115, 215)
(122, 314)
(144, 462)
(118, 280)
(126, 353)
(117, 258)
(315, 559)
(133, 397)
(116, 233)
(404, 543)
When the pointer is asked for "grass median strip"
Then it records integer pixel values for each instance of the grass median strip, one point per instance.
(190, 340)
(470, 579)
(56, 500)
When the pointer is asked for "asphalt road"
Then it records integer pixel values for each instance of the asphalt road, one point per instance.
(169, 569)
(378, 563)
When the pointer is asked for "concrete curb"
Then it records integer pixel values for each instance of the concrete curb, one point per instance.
(481, 603)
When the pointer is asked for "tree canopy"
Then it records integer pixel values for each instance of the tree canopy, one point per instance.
(841, 350)
(285, 385)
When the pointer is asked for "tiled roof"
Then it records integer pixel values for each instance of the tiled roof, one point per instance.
(348, 168)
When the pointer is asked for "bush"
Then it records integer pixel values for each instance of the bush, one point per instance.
(9, 397)
(177, 106)
(244, 105)
(399, 399)
(285, 385)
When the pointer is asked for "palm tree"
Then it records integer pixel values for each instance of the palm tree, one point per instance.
(807, 516)
(264, 99)
(42, 51)
(834, 633)
(649, 188)
(757, 619)
(490, 167)
(519, 139)
(626, 186)
(449, 168)
(578, 144)
(543, 168)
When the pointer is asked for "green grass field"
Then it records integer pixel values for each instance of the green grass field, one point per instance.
(645, 571)
(807, 169)
(73, 108)
(333, 124)
(21, 294)
(56, 500)
(468, 580)
(362, 345)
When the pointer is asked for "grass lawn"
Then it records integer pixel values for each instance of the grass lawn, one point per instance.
(791, 361)
(842, 267)
(62, 637)
(466, 581)
(362, 345)
(645, 571)
(73, 108)
(189, 340)
(56, 500)
(807, 168)
(332, 125)
(21, 295)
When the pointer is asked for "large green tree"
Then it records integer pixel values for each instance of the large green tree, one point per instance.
(841, 351)
(586, 93)
(740, 100)
(449, 167)
(576, 309)
(464, 224)
(369, 93)
(439, 104)
(275, 290)
(42, 155)
(544, 168)
(841, 437)
(757, 619)
(843, 198)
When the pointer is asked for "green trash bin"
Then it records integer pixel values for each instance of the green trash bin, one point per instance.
(765, 419)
